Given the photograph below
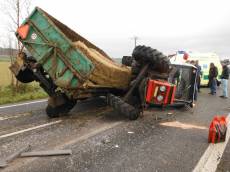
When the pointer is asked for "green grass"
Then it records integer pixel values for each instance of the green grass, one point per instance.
(5, 73)
(4, 59)
(8, 94)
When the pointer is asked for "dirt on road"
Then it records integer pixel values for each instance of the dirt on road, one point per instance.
(102, 140)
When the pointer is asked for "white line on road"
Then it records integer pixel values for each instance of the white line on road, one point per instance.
(29, 129)
(22, 104)
(212, 156)
(13, 117)
(90, 134)
(72, 142)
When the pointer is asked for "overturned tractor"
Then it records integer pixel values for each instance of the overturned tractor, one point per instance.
(70, 68)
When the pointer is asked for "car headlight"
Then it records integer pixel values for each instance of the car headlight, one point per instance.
(162, 88)
(160, 98)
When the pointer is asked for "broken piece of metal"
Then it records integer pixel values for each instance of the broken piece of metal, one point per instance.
(47, 153)
(10, 158)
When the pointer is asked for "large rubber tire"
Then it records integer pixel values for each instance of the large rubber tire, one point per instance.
(25, 76)
(127, 60)
(143, 54)
(136, 68)
(56, 111)
(122, 107)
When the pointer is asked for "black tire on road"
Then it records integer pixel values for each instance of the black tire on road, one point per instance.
(54, 112)
(122, 107)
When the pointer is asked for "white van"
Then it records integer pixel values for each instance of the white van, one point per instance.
(204, 61)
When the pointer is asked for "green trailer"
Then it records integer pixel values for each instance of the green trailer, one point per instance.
(51, 43)
(63, 62)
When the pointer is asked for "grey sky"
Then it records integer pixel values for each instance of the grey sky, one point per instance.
(168, 25)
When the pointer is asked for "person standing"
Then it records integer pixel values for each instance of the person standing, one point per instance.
(199, 74)
(213, 73)
(224, 80)
(196, 88)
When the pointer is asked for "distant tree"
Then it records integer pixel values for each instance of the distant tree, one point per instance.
(15, 11)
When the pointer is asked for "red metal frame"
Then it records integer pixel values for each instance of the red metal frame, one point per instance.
(153, 90)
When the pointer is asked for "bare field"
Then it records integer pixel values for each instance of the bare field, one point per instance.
(5, 74)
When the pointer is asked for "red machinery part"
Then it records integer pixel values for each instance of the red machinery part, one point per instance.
(160, 92)
(217, 129)
(23, 31)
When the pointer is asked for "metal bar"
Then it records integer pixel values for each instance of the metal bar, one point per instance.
(47, 153)
(138, 79)
(54, 61)
(75, 72)
(46, 56)
(63, 71)
(29, 42)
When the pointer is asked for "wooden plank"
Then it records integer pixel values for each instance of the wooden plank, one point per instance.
(10, 158)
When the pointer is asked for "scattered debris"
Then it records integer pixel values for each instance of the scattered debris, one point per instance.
(116, 146)
(47, 153)
(106, 140)
(130, 132)
(157, 118)
(10, 158)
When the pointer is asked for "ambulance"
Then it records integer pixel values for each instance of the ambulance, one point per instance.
(204, 61)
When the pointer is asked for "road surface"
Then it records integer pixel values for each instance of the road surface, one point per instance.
(102, 140)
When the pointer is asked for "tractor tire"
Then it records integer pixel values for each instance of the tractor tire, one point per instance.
(136, 68)
(122, 107)
(143, 54)
(127, 60)
(25, 76)
(54, 111)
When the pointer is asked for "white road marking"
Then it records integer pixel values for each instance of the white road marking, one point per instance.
(72, 142)
(90, 134)
(12, 117)
(29, 129)
(212, 156)
(22, 104)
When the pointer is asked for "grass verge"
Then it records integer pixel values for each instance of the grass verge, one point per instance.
(9, 94)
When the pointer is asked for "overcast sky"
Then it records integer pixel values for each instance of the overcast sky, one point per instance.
(167, 25)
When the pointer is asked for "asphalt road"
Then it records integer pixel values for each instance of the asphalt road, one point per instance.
(102, 140)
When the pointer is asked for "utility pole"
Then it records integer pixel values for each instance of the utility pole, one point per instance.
(135, 38)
